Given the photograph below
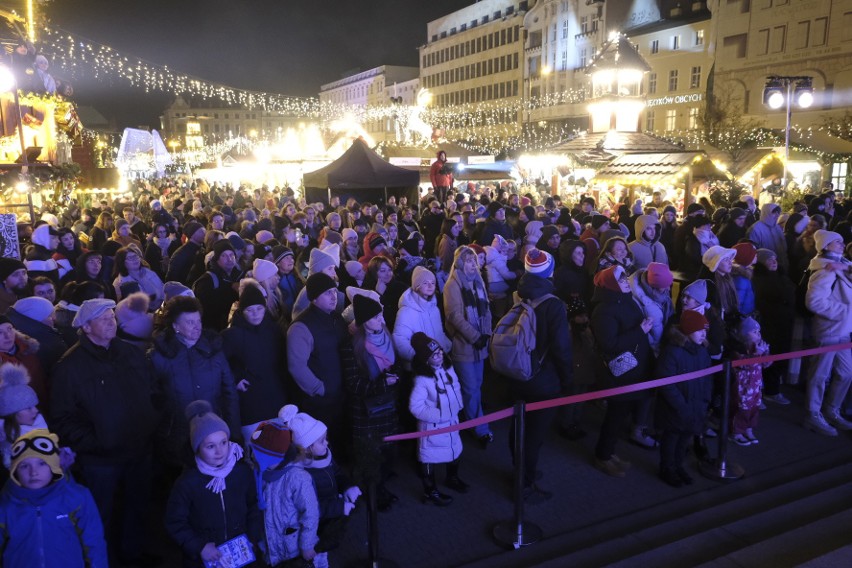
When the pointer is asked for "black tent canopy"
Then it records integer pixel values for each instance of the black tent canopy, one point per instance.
(362, 174)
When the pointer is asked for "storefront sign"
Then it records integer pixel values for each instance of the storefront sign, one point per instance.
(676, 100)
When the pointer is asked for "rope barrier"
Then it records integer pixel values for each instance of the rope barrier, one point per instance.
(606, 393)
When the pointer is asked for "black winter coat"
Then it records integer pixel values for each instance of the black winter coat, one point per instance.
(775, 299)
(256, 353)
(195, 515)
(101, 402)
(181, 263)
(216, 292)
(682, 407)
(616, 324)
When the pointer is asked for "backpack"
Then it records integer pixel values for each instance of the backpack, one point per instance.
(513, 342)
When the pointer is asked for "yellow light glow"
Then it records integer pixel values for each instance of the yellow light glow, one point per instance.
(31, 34)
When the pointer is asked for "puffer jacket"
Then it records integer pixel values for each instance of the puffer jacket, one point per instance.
(645, 252)
(57, 526)
(416, 314)
(436, 402)
(829, 297)
(682, 406)
(291, 517)
(498, 273)
(658, 307)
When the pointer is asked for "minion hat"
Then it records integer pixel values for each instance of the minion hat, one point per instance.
(15, 392)
(39, 444)
(203, 422)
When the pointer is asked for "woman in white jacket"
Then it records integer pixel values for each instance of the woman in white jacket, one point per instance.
(436, 401)
(418, 311)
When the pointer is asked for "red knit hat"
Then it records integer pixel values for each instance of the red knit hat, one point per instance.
(659, 275)
(608, 278)
(692, 321)
(746, 253)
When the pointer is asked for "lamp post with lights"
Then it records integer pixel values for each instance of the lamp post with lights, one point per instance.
(787, 90)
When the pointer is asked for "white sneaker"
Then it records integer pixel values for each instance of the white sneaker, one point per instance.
(836, 420)
(815, 422)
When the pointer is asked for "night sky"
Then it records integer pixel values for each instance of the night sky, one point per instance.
(268, 45)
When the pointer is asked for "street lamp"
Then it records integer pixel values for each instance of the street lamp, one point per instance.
(782, 90)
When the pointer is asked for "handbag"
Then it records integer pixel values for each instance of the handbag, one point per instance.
(380, 403)
(623, 363)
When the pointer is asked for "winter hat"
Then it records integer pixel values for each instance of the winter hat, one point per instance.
(599, 220)
(332, 238)
(539, 262)
(41, 234)
(376, 240)
(263, 236)
(697, 291)
(746, 253)
(608, 278)
(236, 241)
(692, 321)
(659, 275)
(423, 346)
(348, 234)
(8, 266)
(525, 202)
(172, 289)
(499, 242)
(802, 224)
(671, 208)
(700, 221)
(318, 283)
(34, 308)
(736, 213)
(251, 296)
(190, 228)
(548, 231)
(91, 309)
(420, 275)
(533, 230)
(823, 238)
(765, 255)
(15, 392)
(263, 269)
(746, 326)
(306, 429)
(262, 250)
(38, 443)
(529, 211)
(270, 442)
(320, 260)
(716, 254)
(365, 309)
(279, 252)
(493, 208)
(132, 315)
(203, 422)
(354, 269)
(411, 246)
(693, 208)
(50, 219)
(221, 246)
(637, 208)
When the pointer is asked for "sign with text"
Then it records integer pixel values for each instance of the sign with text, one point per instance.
(676, 100)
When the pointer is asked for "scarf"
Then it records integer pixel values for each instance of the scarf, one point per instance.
(217, 484)
(164, 244)
(706, 238)
(475, 300)
(727, 293)
(319, 463)
(379, 345)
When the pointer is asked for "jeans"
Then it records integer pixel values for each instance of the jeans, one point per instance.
(823, 366)
(470, 376)
(673, 447)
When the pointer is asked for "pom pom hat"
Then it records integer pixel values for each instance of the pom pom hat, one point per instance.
(203, 422)
(539, 262)
(15, 391)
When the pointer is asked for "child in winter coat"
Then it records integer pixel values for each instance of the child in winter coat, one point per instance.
(216, 501)
(18, 408)
(748, 380)
(682, 407)
(45, 518)
(499, 275)
(286, 495)
(309, 436)
(435, 402)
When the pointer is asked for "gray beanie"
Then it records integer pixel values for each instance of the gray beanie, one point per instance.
(319, 261)
(15, 391)
(203, 422)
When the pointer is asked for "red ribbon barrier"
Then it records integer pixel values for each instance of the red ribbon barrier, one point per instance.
(594, 395)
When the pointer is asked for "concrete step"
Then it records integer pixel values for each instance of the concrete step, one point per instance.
(839, 557)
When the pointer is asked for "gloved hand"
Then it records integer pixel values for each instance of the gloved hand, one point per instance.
(347, 508)
(482, 342)
(351, 495)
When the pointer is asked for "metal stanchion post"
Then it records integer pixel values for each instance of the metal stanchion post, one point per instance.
(721, 469)
(517, 532)
(373, 533)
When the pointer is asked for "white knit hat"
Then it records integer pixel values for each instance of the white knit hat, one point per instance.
(262, 269)
(306, 429)
(715, 255)
(823, 238)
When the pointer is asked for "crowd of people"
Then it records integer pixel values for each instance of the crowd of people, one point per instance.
(212, 343)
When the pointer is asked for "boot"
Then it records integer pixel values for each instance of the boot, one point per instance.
(453, 481)
(430, 488)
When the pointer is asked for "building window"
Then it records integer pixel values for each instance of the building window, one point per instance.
(777, 39)
(820, 31)
(699, 37)
(803, 32)
(838, 175)
(553, 32)
(655, 46)
(673, 80)
(583, 58)
(693, 118)
(650, 119)
(846, 27)
(735, 46)
(652, 83)
(584, 24)
(564, 65)
(671, 120)
(695, 78)
(675, 43)
(565, 29)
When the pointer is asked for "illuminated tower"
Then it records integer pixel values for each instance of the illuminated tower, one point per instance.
(617, 99)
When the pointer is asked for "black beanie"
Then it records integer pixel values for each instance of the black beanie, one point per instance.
(317, 284)
(599, 220)
(423, 346)
(365, 308)
(251, 296)
(493, 208)
(411, 246)
(221, 246)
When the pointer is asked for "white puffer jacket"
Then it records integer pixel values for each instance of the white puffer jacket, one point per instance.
(436, 403)
(416, 314)
(829, 297)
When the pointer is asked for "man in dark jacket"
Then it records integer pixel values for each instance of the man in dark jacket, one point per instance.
(184, 257)
(101, 408)
(495, 224)
(216, 289)
(430, 223)
(13, 282)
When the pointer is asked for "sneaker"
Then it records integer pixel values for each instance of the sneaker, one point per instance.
(777, 399)
(837, 420)
(437, 498)
(623, 464)
(749, 434)
(710, 433)
(815, 422)
(641, 438)
(740, 440)
(609, 467)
